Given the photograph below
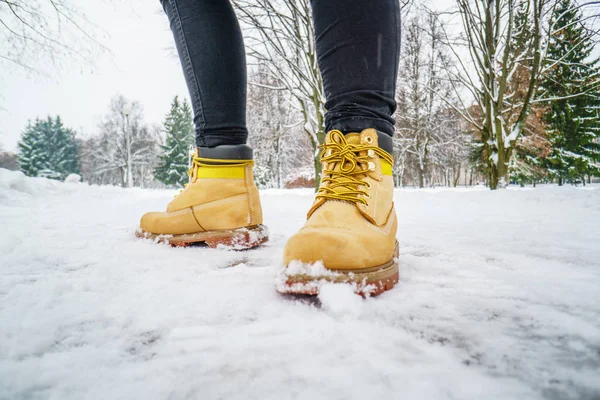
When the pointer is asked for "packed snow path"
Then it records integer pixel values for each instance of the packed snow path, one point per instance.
(499, 298)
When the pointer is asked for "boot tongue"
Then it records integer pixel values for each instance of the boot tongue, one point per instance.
(353, 138)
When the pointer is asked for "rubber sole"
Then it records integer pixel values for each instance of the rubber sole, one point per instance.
(234, 239)
(366, 282)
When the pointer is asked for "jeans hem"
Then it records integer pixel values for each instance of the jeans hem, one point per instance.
(204, 139)
(357, 124)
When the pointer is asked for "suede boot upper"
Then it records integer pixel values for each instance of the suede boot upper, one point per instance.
(221, 195)
(352, 223)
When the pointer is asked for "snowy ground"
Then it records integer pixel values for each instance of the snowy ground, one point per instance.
(499, 298)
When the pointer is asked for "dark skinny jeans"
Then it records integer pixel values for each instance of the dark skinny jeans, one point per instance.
(358, 45)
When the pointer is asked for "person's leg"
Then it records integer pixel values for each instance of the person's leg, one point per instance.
(358, 46)
(221, 204)
(211, 49)
(351, 227)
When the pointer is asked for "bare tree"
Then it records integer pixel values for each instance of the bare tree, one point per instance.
(450, 155)
(281, 38)
(125, 151)
(279, 142)
(45, 30)
(424, 123)
(506, 42)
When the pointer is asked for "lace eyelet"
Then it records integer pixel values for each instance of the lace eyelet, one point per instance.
(369, 139)
(371, 153)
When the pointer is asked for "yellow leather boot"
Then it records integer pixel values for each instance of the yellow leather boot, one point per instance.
(350, 232)
(219, 206)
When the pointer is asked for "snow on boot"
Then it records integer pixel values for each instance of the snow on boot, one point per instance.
(350, 232)
(219, 206)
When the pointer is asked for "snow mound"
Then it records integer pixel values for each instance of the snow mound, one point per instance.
(16, 181)
(341, 300)
(316, 269)
(73, 178)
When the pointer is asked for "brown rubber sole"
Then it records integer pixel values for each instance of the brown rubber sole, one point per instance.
(234, 239)
(366, 282)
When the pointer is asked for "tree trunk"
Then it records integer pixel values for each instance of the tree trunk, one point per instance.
(457, 177)
(318, 166)
(317, 159)
(420, 177)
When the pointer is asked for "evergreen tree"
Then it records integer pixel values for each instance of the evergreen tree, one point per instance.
(528, 159)
(574, 120)
(48, 149)
(31, 151)
(179, 127)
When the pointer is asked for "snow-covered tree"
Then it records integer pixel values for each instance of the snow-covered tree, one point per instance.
(528, 164)
(48, 149)
(282, 40)
(572, 82)
(507, 42)
(450, 153)
(35, 31)
(428, 144)
(532, 146)
(125, 151)
(31, 151)
(174, 158)
(498, 45)
(280, 145)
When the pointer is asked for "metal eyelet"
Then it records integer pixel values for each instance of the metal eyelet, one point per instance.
(371, 166)
(371, 153)
(369, 139)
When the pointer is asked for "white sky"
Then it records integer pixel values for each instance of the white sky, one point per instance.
(142, 67)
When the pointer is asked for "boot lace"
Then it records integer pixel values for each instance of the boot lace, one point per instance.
(346, 180)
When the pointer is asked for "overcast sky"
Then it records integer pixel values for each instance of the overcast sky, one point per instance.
(142, 67)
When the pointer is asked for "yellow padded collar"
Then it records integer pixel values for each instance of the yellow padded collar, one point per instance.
(386, 167)
(219, 169)
(232, 172)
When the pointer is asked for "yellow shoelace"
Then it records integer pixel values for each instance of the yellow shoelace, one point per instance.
(345, 182)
